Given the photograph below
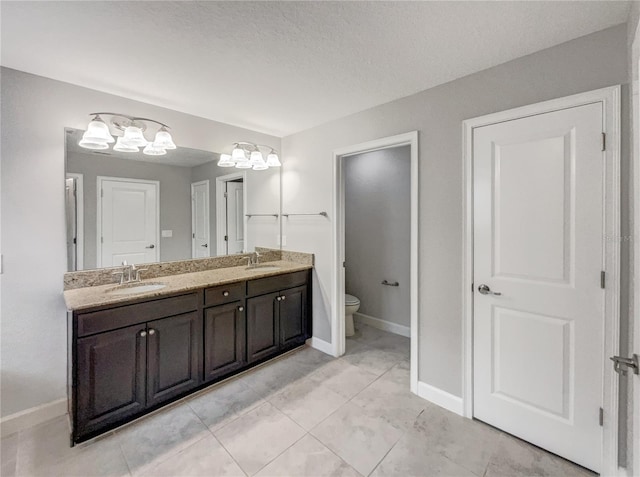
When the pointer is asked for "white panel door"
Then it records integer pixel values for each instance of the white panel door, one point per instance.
(538, 240)
(200, 219)
(129, 224)
(235, 217)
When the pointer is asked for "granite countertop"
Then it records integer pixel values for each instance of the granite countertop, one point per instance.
(89, 297)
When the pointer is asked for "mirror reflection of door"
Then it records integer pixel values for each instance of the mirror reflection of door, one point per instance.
(127, 221)
(235, 216)
(200, 247)
(75, 221)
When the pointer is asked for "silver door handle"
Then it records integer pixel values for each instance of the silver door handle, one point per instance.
(619, 362)
(150, 246)
(205, 245)
(485, 290)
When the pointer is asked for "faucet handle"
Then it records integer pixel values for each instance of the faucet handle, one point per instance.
(136, 278)
(124, 263)
(121, 273)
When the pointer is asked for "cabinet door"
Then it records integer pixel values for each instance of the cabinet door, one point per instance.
(224, 340)
(293, 316)
(110, 378)
(262, 327)
(172, 357)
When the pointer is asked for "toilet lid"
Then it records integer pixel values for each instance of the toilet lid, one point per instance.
(350, 300)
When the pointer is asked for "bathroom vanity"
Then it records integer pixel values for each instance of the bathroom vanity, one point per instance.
(132, 354)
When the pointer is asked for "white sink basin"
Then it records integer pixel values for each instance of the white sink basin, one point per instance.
(263, 268)
(135, 288)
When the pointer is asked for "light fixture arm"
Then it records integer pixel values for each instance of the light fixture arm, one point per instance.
(131, 118)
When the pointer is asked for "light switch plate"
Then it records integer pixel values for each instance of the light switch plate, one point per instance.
(167, 233)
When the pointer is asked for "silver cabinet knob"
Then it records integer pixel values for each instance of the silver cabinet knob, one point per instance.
(143, 334)
(284, 298)
(485, 290)
(152, 331)
(225, 293)
(278, 298)
(241, 308)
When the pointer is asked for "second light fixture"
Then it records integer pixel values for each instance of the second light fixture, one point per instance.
(248, 155)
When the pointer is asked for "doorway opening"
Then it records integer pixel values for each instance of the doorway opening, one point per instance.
(74, 206)
(231, 218)
(363, 157)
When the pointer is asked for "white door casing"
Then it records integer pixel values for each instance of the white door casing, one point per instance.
(128, 218)
(551, 296)
(221, 209)
(235, 217)
(200, 230)
(79, 184)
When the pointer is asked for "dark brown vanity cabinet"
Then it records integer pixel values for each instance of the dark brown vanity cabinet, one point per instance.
(225, 340)
(128, 359)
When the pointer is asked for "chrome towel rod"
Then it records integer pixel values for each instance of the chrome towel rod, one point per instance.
(324, 214)
(261, 215)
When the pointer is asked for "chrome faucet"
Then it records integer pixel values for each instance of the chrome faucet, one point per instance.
(253, 260)
(129, 270)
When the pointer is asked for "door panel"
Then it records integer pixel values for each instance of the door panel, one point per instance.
(128, 222)
(293, 316)
(111, 371)
(200, 219)
(224, 340)
(538, 240)
(262, 327)
(173, 366)
(235, 217)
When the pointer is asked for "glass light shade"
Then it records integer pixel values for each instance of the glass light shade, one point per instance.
(152, 150)
(92, 144)
(260, 167)
(97, 132)
(273, 161)
(133, 137)
(238, 155)
(163, 140)
(120, 147)
(256, 159)
(225, 161)
(243, 165)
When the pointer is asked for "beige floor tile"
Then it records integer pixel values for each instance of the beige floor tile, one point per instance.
(224, 403)
(8, 455)
(103, 458)
(343, 378)
(44, 445)
(205, 458)
(308, 458)
(358, 437)
(375, 361)
(258, 437)
(155, 438)
(307, 402)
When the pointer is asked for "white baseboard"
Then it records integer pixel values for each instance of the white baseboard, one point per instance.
(382, 324)
(441, 398)
(320, 345)
(32, 417)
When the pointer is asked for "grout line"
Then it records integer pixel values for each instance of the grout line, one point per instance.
(229, 453)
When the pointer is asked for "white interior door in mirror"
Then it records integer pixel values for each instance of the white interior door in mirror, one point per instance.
(235, 217)
(538, 240)
(200, 220)
(127, 221)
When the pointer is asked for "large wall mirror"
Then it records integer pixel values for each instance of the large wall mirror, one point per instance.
(130, 206)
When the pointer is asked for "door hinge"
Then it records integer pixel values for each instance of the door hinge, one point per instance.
(101, 192)
(344, 264)
(602, 279)
(601, 417)
(226, 238)
(472, 288)
(101, 239)
(193, 235)
(226, 195)
(604, 141)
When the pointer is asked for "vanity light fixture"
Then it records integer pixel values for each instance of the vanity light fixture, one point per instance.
(248, 155)
(98, 136)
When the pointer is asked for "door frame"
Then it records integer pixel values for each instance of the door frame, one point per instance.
(208, 213)
(79, 218)
(610, 98)
(338, 339)
(99, 180)
(221, 210)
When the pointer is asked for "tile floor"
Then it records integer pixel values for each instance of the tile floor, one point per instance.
(305, 414)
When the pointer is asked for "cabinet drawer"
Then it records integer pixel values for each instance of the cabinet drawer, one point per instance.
(126, 315)
(224, 294)
(276, 283)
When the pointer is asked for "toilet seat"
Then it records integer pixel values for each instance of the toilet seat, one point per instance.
(351, 300)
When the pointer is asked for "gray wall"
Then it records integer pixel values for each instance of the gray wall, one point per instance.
(378, 232)
(175, 200)
(35, 111)
(584, 64)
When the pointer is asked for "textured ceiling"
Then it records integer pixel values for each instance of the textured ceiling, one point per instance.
(281, 67)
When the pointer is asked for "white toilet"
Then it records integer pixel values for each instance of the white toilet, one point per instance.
(351, 305)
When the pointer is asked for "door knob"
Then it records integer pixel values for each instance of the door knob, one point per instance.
(620, 362)
(485, 290)
(205, 245)
(150, 246)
